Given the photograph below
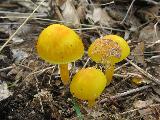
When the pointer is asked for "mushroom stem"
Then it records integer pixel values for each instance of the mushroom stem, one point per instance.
(64, 73)
(109, 73)
(91, 103)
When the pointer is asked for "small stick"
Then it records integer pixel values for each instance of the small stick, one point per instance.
(155, 29)
(20, 26)
(128, 11)
(58, 21)
(126, 93)
(38, 90)
(154, 79)
(121, 66)
(40, 71)
(86, 63)
(134, 110)
(152, 2)
(7, 68)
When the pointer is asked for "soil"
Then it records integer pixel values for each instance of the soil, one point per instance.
(37, 92)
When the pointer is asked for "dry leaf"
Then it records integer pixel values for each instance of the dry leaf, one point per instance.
(142, 104)
(19, 55)
(148, 13)
(147, 34)
(101, 16)
(144, 110)
(81, 13)
(4, 92)
(60, 2)
(138, 54)
(70, 14)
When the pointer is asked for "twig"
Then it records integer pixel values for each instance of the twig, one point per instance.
(134, 110)
(40, 71)
(123, 75)
(127, 12)
(21, 26)
(112, 2)
(86, 63)
(58, 11)
(16, 14)
(7, 68)
(154, 79)
(152, 2)
(61, 21)
(39, 97)
(126, 93)
(154, 57)
(96, 27)
(155, 29)
(151, 45)
(121, 66)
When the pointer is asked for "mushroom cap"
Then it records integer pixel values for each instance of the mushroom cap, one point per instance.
(58, 44)
(109, 49)
(88, 84)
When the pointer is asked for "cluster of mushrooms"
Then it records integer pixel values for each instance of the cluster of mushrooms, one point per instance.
(58, 44)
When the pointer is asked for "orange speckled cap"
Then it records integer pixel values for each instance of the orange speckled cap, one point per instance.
(110, 48)
(58, 44)
(88, 84)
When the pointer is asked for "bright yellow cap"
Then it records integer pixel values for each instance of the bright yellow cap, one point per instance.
(110, 48)
(58, 44)
(88, 84)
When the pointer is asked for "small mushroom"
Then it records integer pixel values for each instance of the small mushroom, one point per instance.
(58, 44)
(88, 84)
(109, 50)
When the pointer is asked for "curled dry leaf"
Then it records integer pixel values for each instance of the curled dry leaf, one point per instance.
(101, 16)
(70, 14)
(4, 92)
(81, 12)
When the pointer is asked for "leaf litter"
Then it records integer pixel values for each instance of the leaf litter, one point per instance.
(32, 89)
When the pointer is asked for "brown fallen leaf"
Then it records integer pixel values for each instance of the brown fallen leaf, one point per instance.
(138, 53)
(147, 34)
(81, 12)
(99, 15)
(148, 13)
(70, 14)
(146, 112)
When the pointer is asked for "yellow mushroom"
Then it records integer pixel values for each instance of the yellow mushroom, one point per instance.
(58, 44)
(109, 50)
(88, 84)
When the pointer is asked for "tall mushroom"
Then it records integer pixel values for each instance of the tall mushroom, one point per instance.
(109, 50)
(58, 44)
(88, 84)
